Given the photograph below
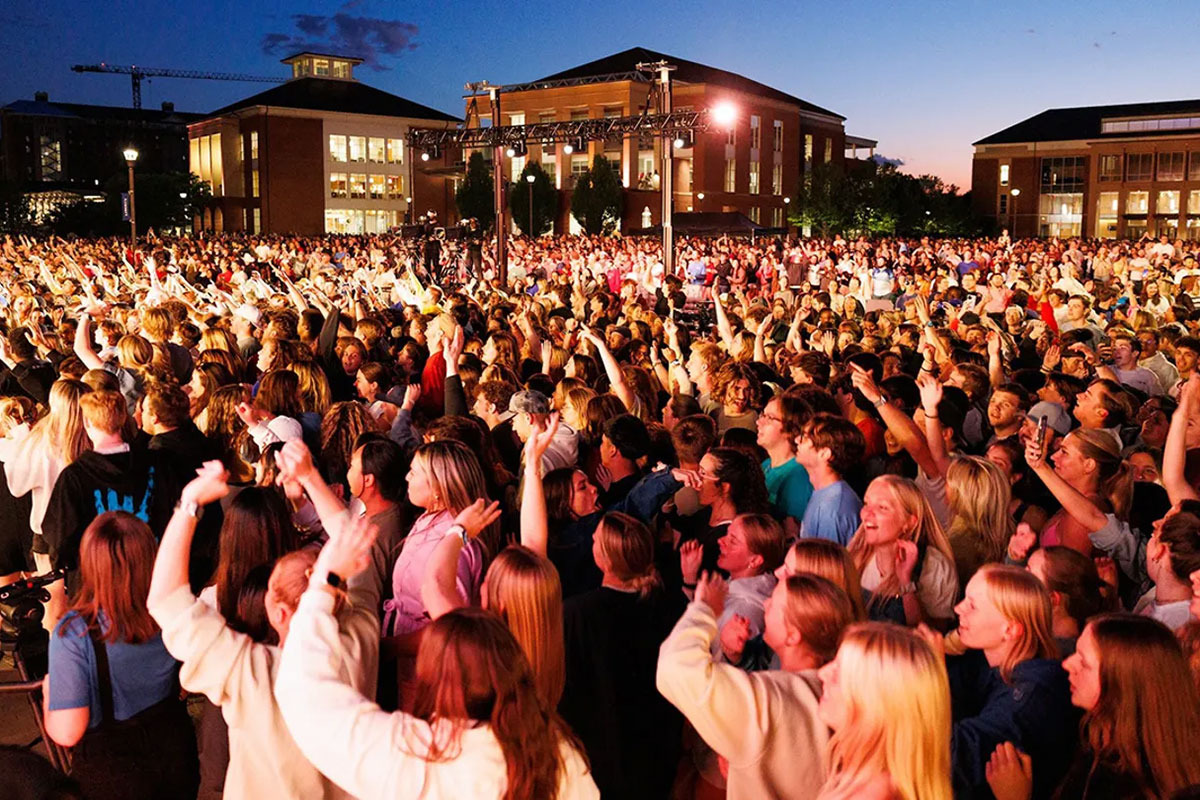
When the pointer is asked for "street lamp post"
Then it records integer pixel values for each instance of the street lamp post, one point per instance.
(131, 157)
(529, 179)
(1012, 212)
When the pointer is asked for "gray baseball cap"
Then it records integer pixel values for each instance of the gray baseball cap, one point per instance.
(529, 402)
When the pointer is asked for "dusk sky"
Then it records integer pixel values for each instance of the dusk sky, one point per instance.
(924, 78)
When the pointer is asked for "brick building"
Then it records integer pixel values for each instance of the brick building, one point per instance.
(1106, 171)
(58, 153)
(750, 169)
(322, 153)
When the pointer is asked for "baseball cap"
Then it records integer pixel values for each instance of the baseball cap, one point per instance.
(1056, 416)
(529, 402)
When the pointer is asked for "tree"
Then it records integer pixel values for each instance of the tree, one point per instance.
(545, 200)
(15, 213)
(164, 202)
(474, 196)
(596, 201)
(821, 201)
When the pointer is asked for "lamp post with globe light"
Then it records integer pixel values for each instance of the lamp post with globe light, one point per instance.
(529, 179)
(1012, 212)
(131, 157)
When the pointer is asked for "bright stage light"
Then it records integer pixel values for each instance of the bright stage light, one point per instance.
(724, 113)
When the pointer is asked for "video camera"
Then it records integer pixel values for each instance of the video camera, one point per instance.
(22, 604)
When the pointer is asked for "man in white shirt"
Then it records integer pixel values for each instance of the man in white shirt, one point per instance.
(1126, 350)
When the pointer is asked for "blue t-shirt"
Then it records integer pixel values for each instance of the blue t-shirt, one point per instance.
(788, 488)
(141, 674)
(832, 514)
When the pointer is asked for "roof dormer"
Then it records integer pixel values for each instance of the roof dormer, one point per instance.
(322, 65)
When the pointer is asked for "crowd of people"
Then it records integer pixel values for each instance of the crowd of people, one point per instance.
(892, 518)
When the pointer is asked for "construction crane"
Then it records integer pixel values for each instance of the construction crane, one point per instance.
(136, 74)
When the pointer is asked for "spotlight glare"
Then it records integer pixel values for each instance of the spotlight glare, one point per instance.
(425, 156)
(679, 143)
(724, 113)
(568, 149)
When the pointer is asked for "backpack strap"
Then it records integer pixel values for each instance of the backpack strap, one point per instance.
(102, 672)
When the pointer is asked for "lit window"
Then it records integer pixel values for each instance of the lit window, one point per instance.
(755, 132)
(321, 66)
(337, 147)
(1137, 203)
(376, 150)
(1168, 203)
(253, 145)
(753, 177)
(1004, 174)
(337, 184)
(254, 183)
(730, 175)
(358, 186)
(395, 151)
(395, 187)
(358, 149)
(778, 143)
(777, 179)
(808, 151)
(828, 150)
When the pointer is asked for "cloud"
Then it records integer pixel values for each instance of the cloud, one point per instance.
(884, 161)
(372, 39)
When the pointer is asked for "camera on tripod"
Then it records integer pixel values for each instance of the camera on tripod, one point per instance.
(22, 604)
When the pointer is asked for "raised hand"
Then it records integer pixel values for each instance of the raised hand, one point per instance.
(712, 591)
(295, 463)
(349, 551)
(931, 392)
(477, 516)
(210, 484)
(734, 636)
(248, 414)
(906, 560)
(1009, 773)
(691, 555)
(540, 439)
(688, 477)
(453, 346)
(1107, 569)
(862, 380)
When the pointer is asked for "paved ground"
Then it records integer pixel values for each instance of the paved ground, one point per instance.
(17, 723)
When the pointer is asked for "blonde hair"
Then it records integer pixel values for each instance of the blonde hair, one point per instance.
(525, 590)
(134, 352)
(457, 481)
(1022, 598)
(979, 505)
(313, 387)
(627, 547)
(62, 429)
(764, 538)
(1114, 477)
(831, 561)
(217, 339)
(897, 724)
(927, 530)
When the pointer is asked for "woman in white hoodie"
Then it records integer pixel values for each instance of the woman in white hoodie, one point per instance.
(237, 671)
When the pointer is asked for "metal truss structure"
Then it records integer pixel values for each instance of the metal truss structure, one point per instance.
(672, 124)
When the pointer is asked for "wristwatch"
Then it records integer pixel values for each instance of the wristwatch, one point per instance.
(881, 402)
(189, 507)
(460, 532)
(334, 580)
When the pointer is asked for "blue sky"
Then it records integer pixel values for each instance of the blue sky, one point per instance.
(925, 78)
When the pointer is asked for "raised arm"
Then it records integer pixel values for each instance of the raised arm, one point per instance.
(1081, 509)
(84, 350)
(171, 563)
(1175, 448)
(296, 464)
(900, 424)
(617, 380)
(439, 587)
(724, 330)
(931, 398)
(535, 526)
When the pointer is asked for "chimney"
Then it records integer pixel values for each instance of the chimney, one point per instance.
(41, 97)
(168, 106)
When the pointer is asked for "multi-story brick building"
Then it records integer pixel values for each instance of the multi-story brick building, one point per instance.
(322, 153)
(58, 153)
(1106, 171)
(752, 168)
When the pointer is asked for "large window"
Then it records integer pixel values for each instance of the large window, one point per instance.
(254, 183)
(395, 151)
(777, 179)
(377, 150)
(1060, 214)
(1108, 209)
(777, 144)
(1139, 167)
(1137, 203)
(1150, 124)
(1170, 166)
(358, 149)
(731, 136)
(1110, 168)
(1004, 169)
(1002, 206)
(358, 186)
(337, 147)
(753, 177)
(1167, 203)
(756, 215)
(828, 149)
(51, 158)
(579, 165)
(1194, 166)
(337, 184)
(395, 187)
(1193, 206)
(376, 187)
(1066, 174)
(730, 175)
(755, 132)
(253, 145)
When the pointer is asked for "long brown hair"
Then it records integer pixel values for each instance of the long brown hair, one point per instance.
(1149, 709)
(1114, 477)
(628, 547)
(471, 668)
(116, 556)
(525, 590)
(257, 530)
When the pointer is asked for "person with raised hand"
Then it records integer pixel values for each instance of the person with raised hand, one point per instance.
(478, 726)
(764, 724)
(237, 671)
